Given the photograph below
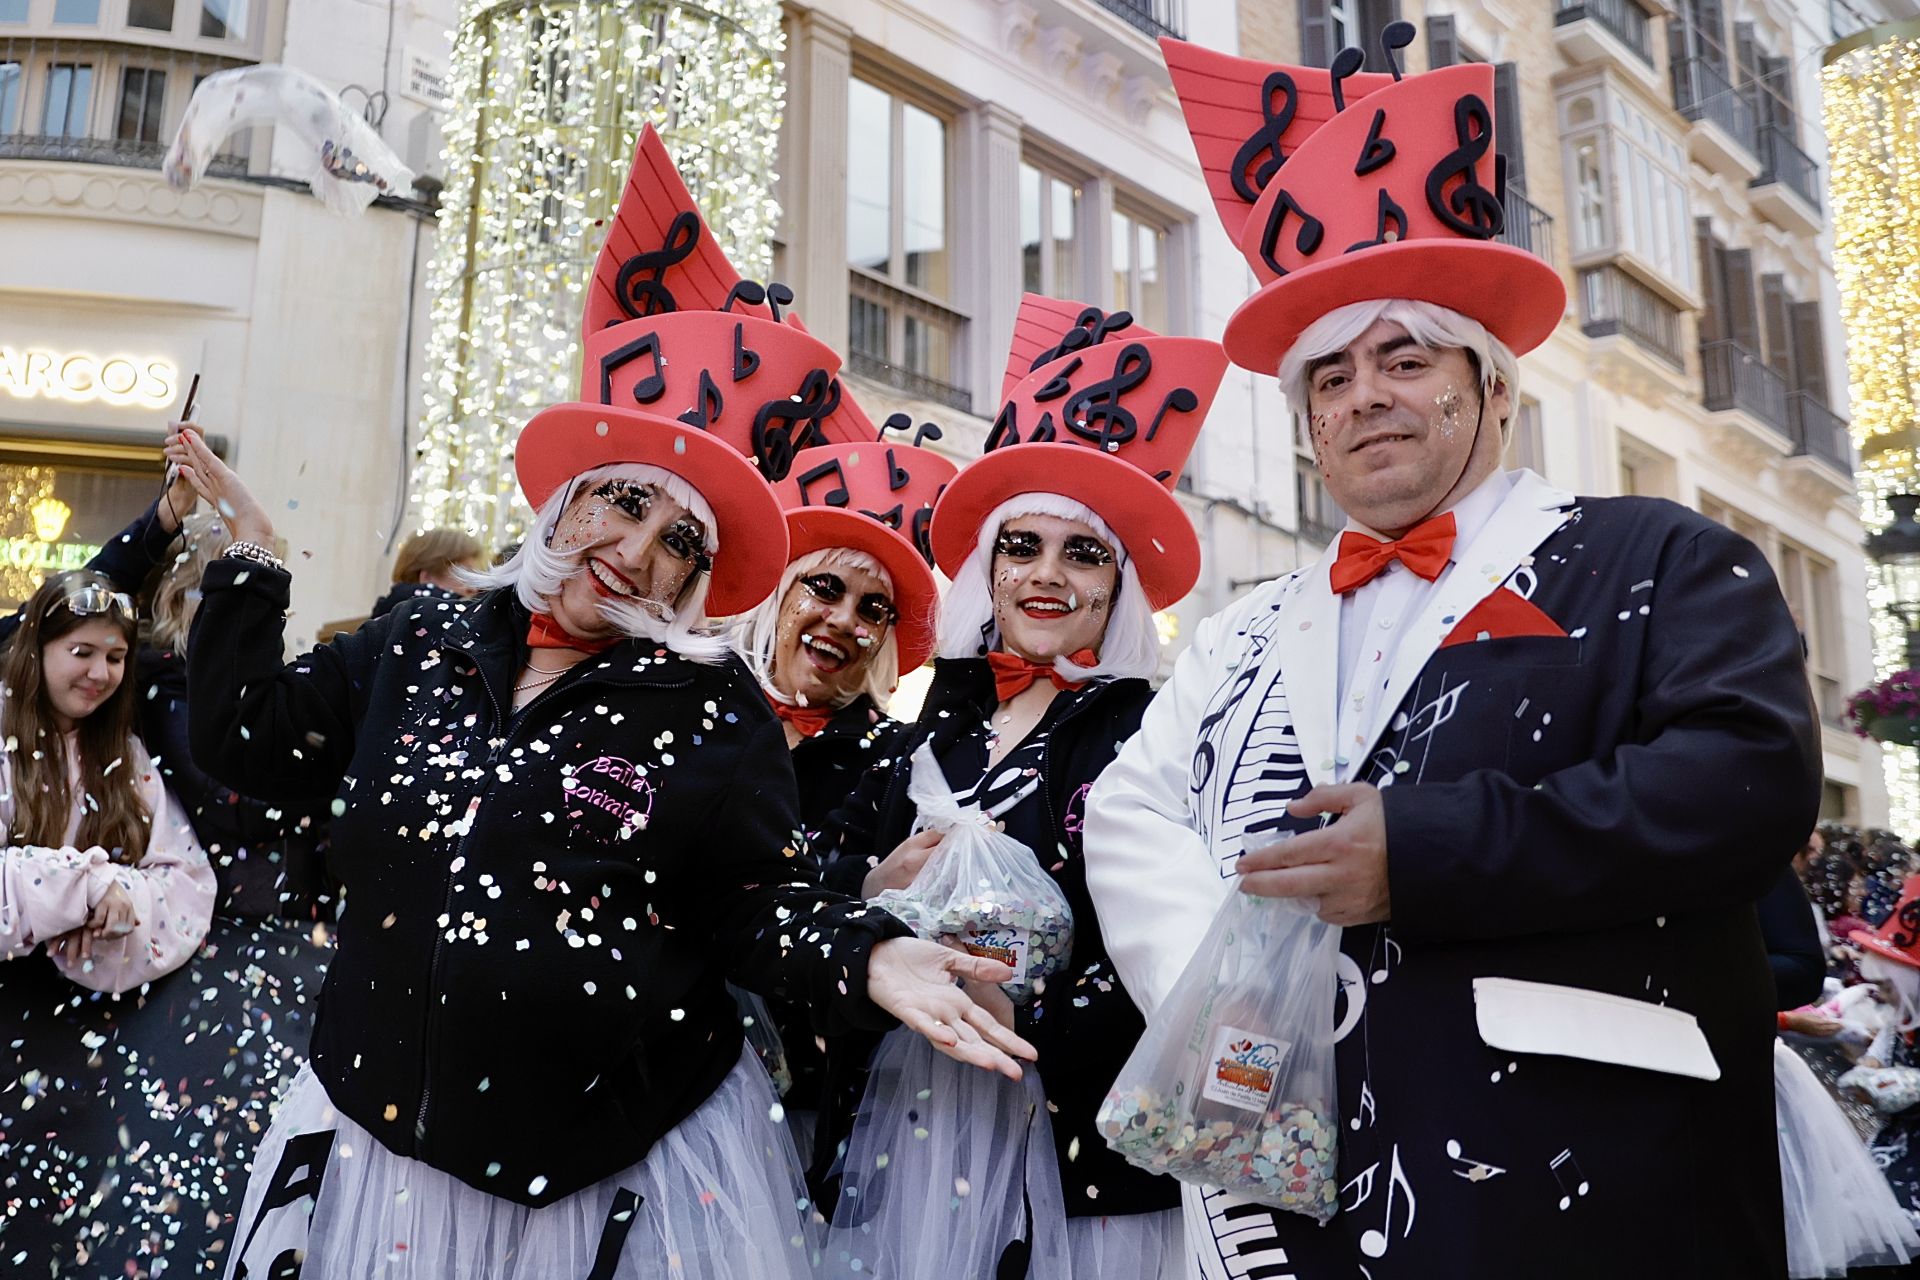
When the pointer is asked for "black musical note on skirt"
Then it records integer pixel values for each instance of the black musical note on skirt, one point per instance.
(1469, 209)
(638, 288)
(1263, 145)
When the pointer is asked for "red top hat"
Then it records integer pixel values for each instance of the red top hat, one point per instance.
(875, 497)
(1108, 421)
(688, 367)
(1898, 937)
(1341, 186)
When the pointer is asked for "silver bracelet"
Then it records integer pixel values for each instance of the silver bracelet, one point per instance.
(258, 554)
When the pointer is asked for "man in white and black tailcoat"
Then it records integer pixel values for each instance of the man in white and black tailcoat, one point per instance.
(1537, 753)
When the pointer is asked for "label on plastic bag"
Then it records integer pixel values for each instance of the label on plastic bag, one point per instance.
(999, 942)
(1242, 1068)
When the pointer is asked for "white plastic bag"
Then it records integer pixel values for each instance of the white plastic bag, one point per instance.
(982, 888)
(341, 157)
(1232, 1086)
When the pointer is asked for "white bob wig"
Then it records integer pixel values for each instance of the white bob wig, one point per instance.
(1427, 323)
(754, 637)
(537, 572)
(1131, 646)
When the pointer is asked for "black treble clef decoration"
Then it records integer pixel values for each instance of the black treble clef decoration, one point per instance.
(637, 288)
(1306, 240)
(1263, 145)
(1906, 929)
(1470, 209)
(785, 426)
(1094, 412)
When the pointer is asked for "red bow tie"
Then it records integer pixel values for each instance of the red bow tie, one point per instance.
(544, 633)
(1425, 549)
(1012, 674)
(808, 720)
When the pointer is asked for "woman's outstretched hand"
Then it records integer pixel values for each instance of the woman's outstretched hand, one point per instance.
(915, 980)
(215, 481)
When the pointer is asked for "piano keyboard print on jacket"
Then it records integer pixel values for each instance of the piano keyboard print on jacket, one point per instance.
(1246, 1241)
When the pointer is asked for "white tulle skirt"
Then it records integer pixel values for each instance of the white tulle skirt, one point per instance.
(950, 1174)
(1840, 1211)
(718, 1198)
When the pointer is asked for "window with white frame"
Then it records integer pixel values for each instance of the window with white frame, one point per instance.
(902, 327)
(12, 76)
(69, 95)
(1811, 586)
(1525, 448)
(1644, 471)
(1628, 175)
(1049, 233)
(1140, 268)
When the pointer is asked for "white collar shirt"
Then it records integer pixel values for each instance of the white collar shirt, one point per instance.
(1373, 617)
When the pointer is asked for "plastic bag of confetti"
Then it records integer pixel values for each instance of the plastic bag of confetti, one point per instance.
(982, 888)
(1232, 1086)
(335, 150)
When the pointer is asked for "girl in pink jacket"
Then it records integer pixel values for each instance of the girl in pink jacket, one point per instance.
(99, 865)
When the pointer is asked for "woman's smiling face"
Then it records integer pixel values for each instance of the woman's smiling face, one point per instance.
(831, 625)
(1053, 582)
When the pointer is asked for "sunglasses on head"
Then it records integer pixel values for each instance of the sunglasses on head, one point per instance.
(873, 608)
(90, 600)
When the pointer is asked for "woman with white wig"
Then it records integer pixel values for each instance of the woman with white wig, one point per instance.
(1061, 542)
(856, 606)
(566, 818)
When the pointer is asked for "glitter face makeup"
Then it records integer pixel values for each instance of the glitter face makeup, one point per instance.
(1053, 586)
(636, 546)
(831, 623)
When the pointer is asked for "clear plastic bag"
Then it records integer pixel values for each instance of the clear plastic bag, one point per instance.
(1232, 1086)
(982, 888)
(337, 152)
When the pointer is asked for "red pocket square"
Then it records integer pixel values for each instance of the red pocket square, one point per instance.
(1499, 616)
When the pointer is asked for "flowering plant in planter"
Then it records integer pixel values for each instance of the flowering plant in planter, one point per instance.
(1888, 711)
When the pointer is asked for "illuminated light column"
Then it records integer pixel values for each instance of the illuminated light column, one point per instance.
(1871, 90)
(546, 102)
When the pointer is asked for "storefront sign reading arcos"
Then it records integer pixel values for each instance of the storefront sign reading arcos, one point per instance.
(30, 372)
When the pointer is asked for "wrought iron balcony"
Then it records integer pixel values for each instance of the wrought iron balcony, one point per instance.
(1732, 377)
(1528, 226)
(1784, 162)
(1702, 93)
(1818, 432)
(1154, 17)
(1623, 19)
(1613, 302)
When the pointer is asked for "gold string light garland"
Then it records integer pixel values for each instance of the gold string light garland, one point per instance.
(546, 101)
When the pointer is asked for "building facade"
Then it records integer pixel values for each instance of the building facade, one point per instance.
(115, 289)
(1670, 160)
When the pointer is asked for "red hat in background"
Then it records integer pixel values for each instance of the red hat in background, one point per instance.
(1342, 186)
(875, 496)
(1898, 937)
(1109, 421)
(688, 367)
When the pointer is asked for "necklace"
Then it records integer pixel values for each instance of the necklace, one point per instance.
(543, 671)
(535, 684)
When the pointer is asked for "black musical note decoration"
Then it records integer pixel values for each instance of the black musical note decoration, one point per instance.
(1346, 63)
(1059, 384)
(647, 389)
(1469, 209)
(1094, 412)
(707, 404)
(901, 422)
(784, 426)
(1377, 150)
(637, 288)
(923, 528)
(1006, 429)
(1393, 38)
(746, 361)
(836, 496)
(1178, 400)
(1263, 145)
(1306, 240)
(1391, 225)
(898, 476)
(890, 518)
(778, 296)
(744, 291)
(1090, 328)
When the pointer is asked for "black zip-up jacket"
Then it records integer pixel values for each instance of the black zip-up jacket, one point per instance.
(1084, 1024)
(544, 906)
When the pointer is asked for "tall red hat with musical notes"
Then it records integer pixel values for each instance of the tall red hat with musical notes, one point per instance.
(1342, 186)
(876, 496)
(690, 368)
(1102, 411)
